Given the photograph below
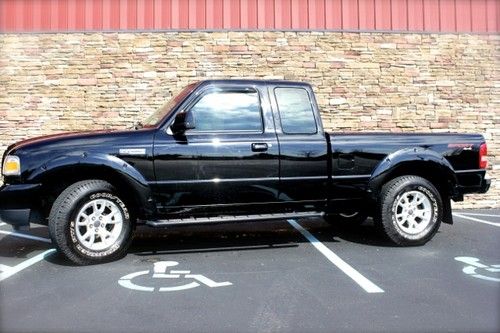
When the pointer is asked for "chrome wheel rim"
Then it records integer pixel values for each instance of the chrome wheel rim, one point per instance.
(98, 224)
(413, 212)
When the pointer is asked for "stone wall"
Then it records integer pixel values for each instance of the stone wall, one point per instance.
(364, 81)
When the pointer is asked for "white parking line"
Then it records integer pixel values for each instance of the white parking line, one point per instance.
(363, 282)
(476, 219)
(480, 214)
(8, 271)
(20, 235)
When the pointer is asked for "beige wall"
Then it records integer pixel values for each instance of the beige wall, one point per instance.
(364, 81)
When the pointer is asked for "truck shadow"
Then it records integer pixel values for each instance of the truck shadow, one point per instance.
(19, 247)
(216, 239)
(249, 236)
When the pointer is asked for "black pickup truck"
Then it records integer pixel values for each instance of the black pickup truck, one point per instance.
(234, 151)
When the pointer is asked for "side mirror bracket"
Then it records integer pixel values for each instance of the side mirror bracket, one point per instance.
(183, 121)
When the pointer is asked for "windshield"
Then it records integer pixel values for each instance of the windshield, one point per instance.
(165, 109)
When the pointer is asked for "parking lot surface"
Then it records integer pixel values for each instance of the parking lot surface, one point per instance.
(285, 276)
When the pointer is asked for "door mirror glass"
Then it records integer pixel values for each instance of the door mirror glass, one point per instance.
(183, 121)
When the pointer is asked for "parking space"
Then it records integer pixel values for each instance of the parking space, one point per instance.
(290, 276)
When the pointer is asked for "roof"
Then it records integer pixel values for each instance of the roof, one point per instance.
(253, 82)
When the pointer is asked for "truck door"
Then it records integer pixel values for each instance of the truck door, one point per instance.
(303, 147)
(235, 148)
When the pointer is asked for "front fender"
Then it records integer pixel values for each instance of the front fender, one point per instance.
(79, 164)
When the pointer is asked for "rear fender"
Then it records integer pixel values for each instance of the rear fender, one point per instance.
(421, 162)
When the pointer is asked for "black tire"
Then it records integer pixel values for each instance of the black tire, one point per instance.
(67, 238)
(348, 218)
(391, 212)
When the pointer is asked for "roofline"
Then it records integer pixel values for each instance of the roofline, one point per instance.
(252, 82)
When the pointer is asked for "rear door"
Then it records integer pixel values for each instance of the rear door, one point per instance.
(303, 147)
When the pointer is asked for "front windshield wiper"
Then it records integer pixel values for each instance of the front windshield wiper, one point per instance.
(138, 125)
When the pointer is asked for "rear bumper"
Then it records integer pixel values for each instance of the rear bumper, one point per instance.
(19, 204)
(473, 181)
(485, 185)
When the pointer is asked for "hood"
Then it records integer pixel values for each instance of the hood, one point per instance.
(104, 140)
(37, 153)
(53, 138)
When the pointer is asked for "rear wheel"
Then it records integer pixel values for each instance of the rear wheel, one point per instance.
(410, 211)
(90, 224)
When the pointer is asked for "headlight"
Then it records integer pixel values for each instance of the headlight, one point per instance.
(11, 166)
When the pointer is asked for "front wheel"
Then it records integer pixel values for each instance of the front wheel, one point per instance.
(89, 223)
(410, 210)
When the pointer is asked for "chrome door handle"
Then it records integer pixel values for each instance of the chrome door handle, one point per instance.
(259, 147)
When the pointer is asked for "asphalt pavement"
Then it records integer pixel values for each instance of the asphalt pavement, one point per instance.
(283, 276)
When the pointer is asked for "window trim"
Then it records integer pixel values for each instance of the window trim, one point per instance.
(310, 104)
(236, 89)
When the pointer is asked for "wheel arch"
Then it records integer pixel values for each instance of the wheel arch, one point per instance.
(421, 162)
(63, 171)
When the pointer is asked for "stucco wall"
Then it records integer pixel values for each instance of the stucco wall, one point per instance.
(364, 81)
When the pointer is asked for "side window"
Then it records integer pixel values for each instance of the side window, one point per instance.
(228, 111)
(295, 109)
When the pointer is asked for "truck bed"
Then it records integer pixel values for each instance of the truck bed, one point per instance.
(369, 149)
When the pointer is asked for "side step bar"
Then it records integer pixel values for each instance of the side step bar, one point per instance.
(230, 219)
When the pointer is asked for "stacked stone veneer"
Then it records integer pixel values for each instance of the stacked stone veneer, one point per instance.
(364, 81)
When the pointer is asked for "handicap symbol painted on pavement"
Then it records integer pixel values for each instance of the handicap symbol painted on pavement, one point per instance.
(478, 270)
(160, 272)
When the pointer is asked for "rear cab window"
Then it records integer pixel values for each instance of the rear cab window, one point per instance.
(295, 110)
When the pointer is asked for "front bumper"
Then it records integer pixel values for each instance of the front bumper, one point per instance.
(19, 204)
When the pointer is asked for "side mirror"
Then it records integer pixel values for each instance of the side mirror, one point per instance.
(183, 121)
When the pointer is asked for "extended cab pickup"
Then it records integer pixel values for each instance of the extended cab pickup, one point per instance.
(232, 151)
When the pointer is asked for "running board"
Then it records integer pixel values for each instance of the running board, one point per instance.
(234, 218)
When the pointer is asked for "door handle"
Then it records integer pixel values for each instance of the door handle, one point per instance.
(259, 147)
